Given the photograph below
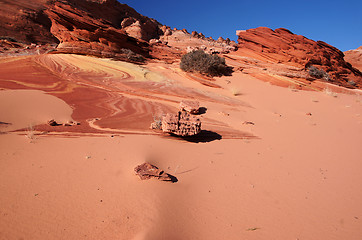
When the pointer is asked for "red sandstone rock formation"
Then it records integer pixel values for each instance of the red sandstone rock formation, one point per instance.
(25, 21)
(104, 28)
(181, 124)
(147, 171)
(354, 57)
(94, 27)
(82, 33)
(107, 28)
(282, 46)
(187, 42)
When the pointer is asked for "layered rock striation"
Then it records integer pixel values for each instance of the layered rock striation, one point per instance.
(80, 31)
(282, 46)
(104, 28)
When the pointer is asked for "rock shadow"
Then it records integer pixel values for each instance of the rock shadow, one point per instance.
(228, 71)
(204, 136)
(173, 178)
(202, 110)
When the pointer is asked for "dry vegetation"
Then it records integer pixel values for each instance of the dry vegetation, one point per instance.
(207, 64)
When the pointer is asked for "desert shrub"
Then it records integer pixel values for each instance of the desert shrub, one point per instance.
(10, 39)
(318, 73)
(157, 122)
(351, 82)
(132, 56)
(199, 61)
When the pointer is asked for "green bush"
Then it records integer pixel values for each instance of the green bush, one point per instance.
(207, 64)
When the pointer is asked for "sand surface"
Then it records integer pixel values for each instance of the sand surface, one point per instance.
(28, 108)
(273, 163)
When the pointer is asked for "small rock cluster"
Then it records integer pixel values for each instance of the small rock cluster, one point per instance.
(67, 124)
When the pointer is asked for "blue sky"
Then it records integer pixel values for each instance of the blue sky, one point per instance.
(338, 23)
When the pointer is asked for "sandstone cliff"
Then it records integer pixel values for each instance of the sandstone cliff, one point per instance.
(104, 28)
(282, 46)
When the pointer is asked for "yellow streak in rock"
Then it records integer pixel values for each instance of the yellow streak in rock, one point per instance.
(109, 67)
(12, 59)
(294, 81)
(33, 85)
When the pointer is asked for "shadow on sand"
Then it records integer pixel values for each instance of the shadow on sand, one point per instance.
(173, 178)
(204, 136)
(202, 110)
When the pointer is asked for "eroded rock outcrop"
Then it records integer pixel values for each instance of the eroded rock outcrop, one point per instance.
(282, 46)
(104, 28)
(25, 22)
(185, 41)
(79, 31)
(182, 41)
(181, 124)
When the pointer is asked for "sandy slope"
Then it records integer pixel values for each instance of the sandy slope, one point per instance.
(27, 108)
(292, 174)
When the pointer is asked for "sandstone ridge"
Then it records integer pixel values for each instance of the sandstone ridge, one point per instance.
(282, 46)
(104, 28)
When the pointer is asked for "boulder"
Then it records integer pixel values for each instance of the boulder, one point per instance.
(135, 30)
(147, 171)
(181, 124)
(127, 22)
(190, 106)
(53, 123)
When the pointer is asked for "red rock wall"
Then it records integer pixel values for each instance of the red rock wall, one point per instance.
(282, 46)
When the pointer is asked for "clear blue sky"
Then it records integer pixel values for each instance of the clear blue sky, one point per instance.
(338, 23)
